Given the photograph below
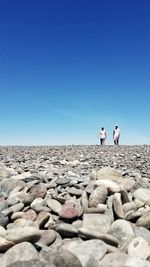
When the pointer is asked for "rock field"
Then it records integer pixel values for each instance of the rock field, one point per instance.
(75, 206)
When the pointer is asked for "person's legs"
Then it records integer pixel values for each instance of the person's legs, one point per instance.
(117, 141)
(102, 141)
(114, 141)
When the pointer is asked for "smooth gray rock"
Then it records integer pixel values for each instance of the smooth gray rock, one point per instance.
(3, 204)
(84, 200)
(3, 220)
(47, 238)
(22, 234)
(144, 220)
(92, 234)
(117, 206)
(33, 263)
(20, 252)
(98, 196)
(54, 205)
(67, 230)
(8, 184)
(92, 262)
(14, 208)
(142, 232)
(114, 260)
(139, 247)
(39, 205)
(42, 218)
(64, 258)
(123, 231)
(23, 197)
(83, 250)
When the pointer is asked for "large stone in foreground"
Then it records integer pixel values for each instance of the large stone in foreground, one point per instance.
(64, 258)
(123, 231)
(34, 263)
(85, 249)
(114, 260)
(20, 252)
(144, 220)
(136, 262)
(140, 248)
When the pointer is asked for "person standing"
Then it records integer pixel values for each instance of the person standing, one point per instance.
(102, 136)
(116, 135)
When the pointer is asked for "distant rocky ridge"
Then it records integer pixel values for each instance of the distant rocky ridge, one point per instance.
(75, 206)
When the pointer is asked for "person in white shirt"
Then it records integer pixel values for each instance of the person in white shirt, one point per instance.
(116, 135)
(102, 136)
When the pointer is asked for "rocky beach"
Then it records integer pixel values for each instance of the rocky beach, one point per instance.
(75, 206)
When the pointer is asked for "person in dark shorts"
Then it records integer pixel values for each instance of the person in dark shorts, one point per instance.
(102, 136)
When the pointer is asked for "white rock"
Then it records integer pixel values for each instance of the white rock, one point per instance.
(143, 194)
(139, 247)
(110, 185)
(109, 173)
(95, 221)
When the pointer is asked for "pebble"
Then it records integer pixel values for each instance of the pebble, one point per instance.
(142, 194)
(109, 173)
(97, 222)
(69, 211)
(22, 234)
(144, 220)
(47, 238)
(82, 205)
(83, 250)
(107, 238)
(114, 260)
(67, 230)
(139, 247)
(38, 191)
(64, 258)
(123, 231)
(42, 218)
(98, 196)
(54, 205)
(29, 215)
(32, 263)
(3, 219)
(23, 251)
(117, 206)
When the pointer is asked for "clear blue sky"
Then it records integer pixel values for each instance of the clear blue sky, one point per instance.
(69, 67)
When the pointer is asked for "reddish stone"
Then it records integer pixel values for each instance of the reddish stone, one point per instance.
(38, 191)
(29, 215)
(69, 211)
